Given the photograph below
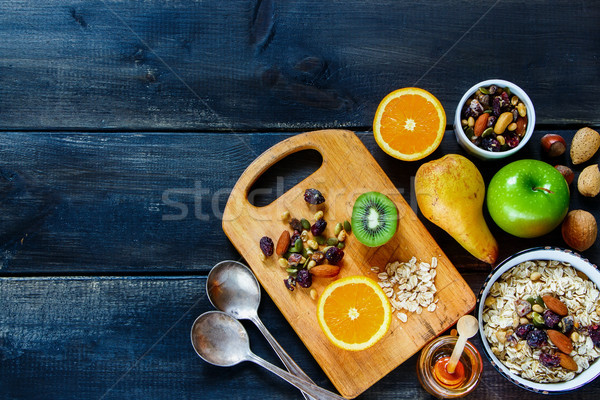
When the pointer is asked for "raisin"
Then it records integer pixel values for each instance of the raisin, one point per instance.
(549, 360)
(318, 227)
(551, 319)
(290, 283)
(313, 196)
(296, 225)
(304, 278)
(334, 255)
(523, 330)
(295, 237)
(476, 108)
(537, 338)
(594, 332)
(490, 144)
(567, 324)
(267, 246)
(512, 141)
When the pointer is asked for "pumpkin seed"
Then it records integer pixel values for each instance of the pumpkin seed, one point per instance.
(347, 227)
(487, 132)
(305, 224)
(332, 241)
(338, 229)
(484, 90)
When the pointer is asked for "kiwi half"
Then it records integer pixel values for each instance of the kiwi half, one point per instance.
(374, 219)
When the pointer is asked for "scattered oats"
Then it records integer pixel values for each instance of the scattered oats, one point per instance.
(409, 286)
(530, 279)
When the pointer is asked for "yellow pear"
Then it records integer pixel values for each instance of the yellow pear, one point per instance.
(450, 193)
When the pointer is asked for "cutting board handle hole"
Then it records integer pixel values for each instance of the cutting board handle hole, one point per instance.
(283, 176)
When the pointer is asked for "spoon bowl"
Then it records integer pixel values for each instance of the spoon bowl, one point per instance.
(233, 288)
(220, 339)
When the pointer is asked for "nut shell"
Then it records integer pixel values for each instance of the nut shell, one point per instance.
(588, 182)
(579, 230)
(584, 145)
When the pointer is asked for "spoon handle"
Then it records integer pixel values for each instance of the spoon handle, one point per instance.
(283, 356)
(312, 389)
(456, 353)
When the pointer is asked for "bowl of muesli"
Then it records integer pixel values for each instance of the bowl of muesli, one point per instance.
(539, 319)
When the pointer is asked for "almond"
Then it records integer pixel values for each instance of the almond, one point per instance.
(481, 124)
(521, 126)
(283, 244)
(561, 341)
(567, 362)
(555, 305)
(325, 270)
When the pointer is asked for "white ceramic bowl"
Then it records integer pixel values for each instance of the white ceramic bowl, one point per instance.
(539, 253)
(466, 143)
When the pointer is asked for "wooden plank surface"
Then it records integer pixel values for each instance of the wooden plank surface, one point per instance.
(145, 203)
(125, 338)
(252, 65)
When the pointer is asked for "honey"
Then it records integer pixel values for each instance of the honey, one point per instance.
(433, 373)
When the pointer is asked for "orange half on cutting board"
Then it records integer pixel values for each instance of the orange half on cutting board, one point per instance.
(354, 312)
(409, 124)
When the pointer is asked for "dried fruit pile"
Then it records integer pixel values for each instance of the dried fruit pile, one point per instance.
(494, 119)
(307, 252)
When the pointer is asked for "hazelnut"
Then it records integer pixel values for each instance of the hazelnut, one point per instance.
(579, 230)
(554, 145)
(566, 172)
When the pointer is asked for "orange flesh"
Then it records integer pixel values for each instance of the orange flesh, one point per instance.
(441, 374)
(397, 117)
(340, 307)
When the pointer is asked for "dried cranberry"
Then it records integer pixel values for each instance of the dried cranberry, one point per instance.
(523, 330)
(512, 141)
(318, 227)
(304, 278)
(594, 332)
(266, 245)
(551, 319)
(313, 196)
(505, 97)
(537, 338)
(497, 106)
(290, 283)
(294, 259)
(334, 255)
(296, 224)
(318, 257)
(549, 360)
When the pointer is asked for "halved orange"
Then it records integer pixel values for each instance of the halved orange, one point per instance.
(409, 124)
(354, 313)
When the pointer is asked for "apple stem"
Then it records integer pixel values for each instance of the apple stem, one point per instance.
(544, 189)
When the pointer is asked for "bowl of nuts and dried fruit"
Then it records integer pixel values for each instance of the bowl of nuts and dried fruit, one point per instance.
(539, 319)
(494, 119)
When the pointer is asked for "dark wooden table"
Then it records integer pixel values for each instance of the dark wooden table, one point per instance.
(124, 125)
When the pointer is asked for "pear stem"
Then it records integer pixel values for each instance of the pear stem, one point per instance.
(541, 188)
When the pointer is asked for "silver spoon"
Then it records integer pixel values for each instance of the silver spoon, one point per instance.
(221, 340)
(233, 288)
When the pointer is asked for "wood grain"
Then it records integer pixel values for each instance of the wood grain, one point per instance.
(123, 337)
(245, 224)
(152, 202)
(246, 65)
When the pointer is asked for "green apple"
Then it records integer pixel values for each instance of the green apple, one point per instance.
(528, 198)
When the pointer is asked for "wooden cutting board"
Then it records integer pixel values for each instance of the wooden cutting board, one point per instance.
(348, 170)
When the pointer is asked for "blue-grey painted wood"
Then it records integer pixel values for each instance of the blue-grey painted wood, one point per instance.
(129, 338)
(150, 203)
(252, 65)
